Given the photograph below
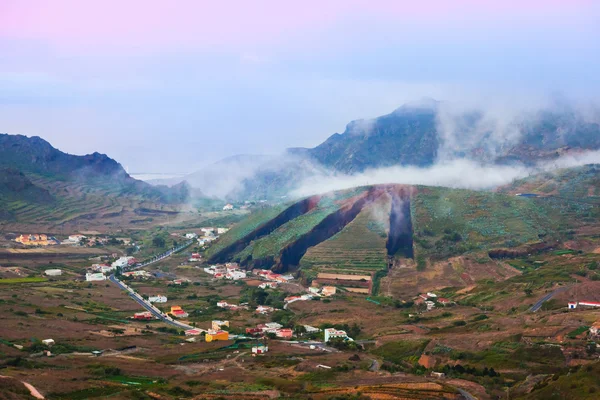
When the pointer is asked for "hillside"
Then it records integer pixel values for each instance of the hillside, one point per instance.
(41, 185)
(373, 227)
(579, 183)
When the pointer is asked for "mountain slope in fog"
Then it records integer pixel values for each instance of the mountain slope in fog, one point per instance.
(422, 134)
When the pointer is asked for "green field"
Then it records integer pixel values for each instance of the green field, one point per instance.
(12, 281)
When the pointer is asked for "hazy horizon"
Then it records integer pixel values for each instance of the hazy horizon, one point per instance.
(170, 88)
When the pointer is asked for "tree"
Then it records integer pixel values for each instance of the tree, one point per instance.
(299, 330)
(528, 292)
(158, 241)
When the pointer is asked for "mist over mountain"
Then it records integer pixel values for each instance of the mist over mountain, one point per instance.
(424, 134)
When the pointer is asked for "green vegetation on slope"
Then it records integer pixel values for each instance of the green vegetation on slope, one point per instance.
(454, 221)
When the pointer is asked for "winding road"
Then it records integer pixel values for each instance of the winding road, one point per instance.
(547, 297)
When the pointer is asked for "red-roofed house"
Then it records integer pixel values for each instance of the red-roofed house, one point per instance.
(284, 333)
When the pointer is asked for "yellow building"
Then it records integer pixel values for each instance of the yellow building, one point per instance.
(213, 336)
(34, 240)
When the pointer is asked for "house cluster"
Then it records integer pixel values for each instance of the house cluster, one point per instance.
(177, 312)
(431, 300)
(268, 285)
(209, 234)
(36, 240)
(574, 304)
(270, 327)
(228, 271)
(272, 276)
(215, 333)
(232, 307)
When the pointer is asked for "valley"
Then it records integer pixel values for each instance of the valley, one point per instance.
(445, 293)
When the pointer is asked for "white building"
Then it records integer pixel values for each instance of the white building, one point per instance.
(266, 285)
(332, 333)
(311, 329)
(48, 342)
(191, 235)
(105, 269)
(53, 272)
(235, 275)
(228, 207)
(97, 276)
(260, 349)
(157, 299)
(221, 231)
(121, 262)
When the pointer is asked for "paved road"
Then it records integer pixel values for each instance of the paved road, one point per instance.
(162, 256)
(547, 297)
(466, 395)
(139, 299)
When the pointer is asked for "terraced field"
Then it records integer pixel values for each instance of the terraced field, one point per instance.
(359, 245)
(75, 202)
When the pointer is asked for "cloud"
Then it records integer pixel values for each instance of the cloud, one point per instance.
(457, 173)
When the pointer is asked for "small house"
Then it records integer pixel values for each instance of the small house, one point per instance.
(92, 277)
(48, 342)
(572, 305)
(193, 332)
(213, 336)
(285, 333)
(333, 333)
(145, 316)
(328, 290)
(157, 299)
(260, 349)
(228, 207)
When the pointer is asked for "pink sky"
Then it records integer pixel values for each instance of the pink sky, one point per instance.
(151, 24)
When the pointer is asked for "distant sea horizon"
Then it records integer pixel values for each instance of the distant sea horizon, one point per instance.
(149, 176)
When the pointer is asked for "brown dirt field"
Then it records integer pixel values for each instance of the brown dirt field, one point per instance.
(456, 272)
(357, 290)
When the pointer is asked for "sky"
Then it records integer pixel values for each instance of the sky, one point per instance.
(171, 86)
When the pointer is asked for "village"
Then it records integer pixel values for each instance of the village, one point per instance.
(220, 318)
